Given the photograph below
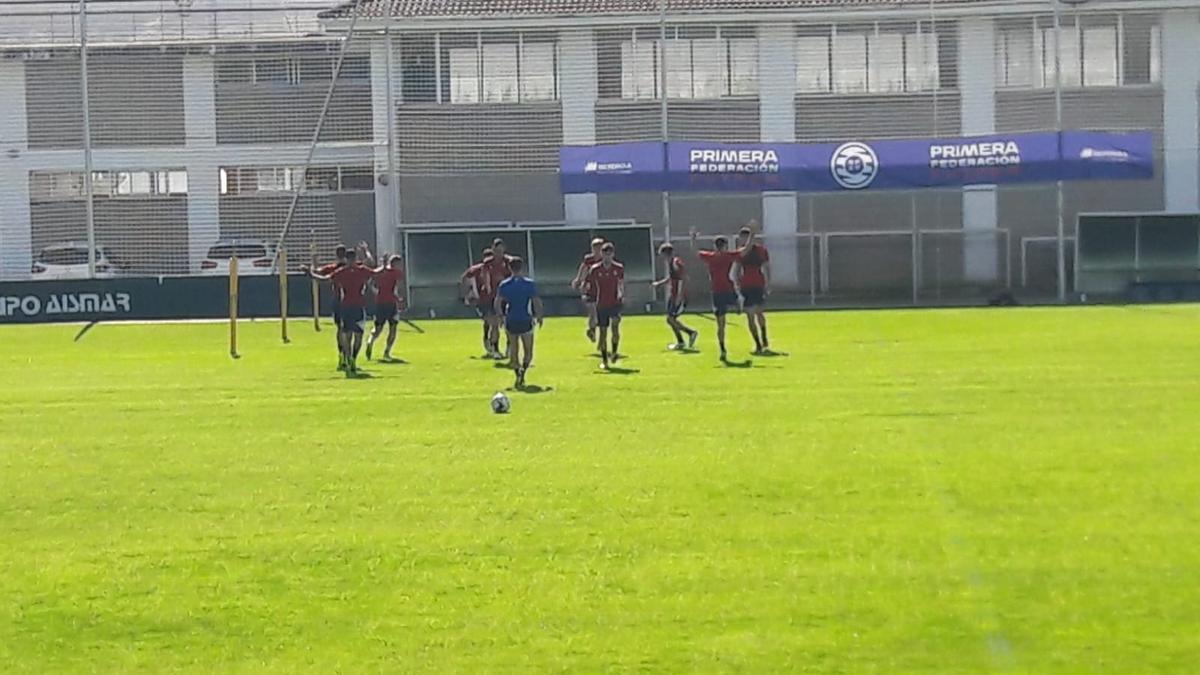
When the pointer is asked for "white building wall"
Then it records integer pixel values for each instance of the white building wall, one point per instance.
(1181, 109)
(15, 233)
(200, 156)
(387, 201)
(577, 58)
(977, 87)
(777, 121)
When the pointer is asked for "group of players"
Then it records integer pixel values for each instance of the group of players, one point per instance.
(508, 301)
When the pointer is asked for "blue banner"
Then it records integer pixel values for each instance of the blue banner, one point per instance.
(858, 165)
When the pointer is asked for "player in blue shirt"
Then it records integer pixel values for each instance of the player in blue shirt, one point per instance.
(518, 302)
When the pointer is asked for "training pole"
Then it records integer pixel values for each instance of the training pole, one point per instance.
(283, 296)
(233, 306)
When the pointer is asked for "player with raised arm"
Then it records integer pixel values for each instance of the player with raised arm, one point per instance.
(339, 261)
(608, 278)
(588, 293)
(517, 297)
(720, 261)
(389, 301)
(351, 281)
(478, 291)
(676, 282)
(752, 272)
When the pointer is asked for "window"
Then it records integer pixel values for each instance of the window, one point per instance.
(69, 185)
(743, 66)
(277, 70)
(500, 73)
(921, 72)
(812, 63)
(274, 179)
(849, 62)
(885, 51)
(1099, 53)
(497, 68)
(700, 62)
(537, 71)
(1096, 51)
(356, 67)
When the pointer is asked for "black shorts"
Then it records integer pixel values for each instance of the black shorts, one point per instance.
(753, 297)
(605, 315)
(386, 312)
(351, 319)
(518, 326)
(722, 302)
(336, 310)
(676, 307)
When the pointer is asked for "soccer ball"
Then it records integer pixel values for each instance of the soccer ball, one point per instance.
(500, 403)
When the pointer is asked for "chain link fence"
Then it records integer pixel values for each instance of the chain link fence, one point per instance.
(200, 119)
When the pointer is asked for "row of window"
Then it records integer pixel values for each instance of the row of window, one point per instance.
(69, 185)
(292, 70)
(50, 186)
(1095, 51)
(276, 179)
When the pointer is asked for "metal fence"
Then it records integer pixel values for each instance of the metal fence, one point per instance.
(196, 135)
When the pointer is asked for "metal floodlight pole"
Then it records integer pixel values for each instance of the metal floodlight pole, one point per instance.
(298, 190)
(1060, 251)
(88, 187)
(663, 113)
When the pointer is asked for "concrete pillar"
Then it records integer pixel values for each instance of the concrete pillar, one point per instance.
(1181, 131)
(382, 98)
(977, 87)
(777, 122)
(578, 67)
(15, 232)
(202, 164)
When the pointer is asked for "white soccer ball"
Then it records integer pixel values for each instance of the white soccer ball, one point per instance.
(500, 403)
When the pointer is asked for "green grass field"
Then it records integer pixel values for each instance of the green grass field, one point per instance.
(908, 491)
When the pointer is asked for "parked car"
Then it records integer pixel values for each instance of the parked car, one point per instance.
(69, 260)
(254, 257)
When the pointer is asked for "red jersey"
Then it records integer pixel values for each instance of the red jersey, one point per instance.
(477, 274)
(387, 280)
(352, 282)
(589, 260)
(497, 270)
(675, 272)
(752, 259)
(719, 263)
(327, 271)
(607, 282)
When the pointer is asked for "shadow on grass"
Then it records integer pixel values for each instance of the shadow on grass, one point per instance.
(360, 375)
(737, 364)
(415, 327)
(392, 362)
(617, 370)
(771, 354)
(84, 331)
(531, 389)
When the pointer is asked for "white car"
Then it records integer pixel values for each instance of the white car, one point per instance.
(69, 260)
(254, 257)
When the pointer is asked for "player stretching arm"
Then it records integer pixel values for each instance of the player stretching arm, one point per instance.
(477, 292)
(720, 263)
(676, 297)
(324, 272)
(753, 274)
(517, 297)
(608, 278)
(388, 303)
(588, 293)
(351, 280)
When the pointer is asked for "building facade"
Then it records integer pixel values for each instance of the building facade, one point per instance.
(454, 111)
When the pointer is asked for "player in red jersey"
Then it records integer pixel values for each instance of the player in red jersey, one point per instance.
(608, 278)
(676, 282)
(389, 301)
(588, 293)
(339, 261)
(478, 291)
(351, 281)
(720, 262)
(753, 273)
(498, 269)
